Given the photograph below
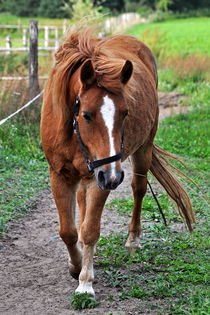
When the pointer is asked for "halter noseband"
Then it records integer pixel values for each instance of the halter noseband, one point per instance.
(91, 165)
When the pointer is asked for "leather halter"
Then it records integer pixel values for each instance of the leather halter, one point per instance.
(91, 165)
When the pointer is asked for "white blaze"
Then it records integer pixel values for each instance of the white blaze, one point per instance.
(108, 113)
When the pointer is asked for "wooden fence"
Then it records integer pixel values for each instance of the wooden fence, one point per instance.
(110, 25)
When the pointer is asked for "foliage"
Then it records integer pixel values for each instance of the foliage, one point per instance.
(13, 63)
(185, 5)
(21, 7)
(114, 6)
(164, 4)
(56, 9)
(85, 9)
(80, 301)
(144, 11)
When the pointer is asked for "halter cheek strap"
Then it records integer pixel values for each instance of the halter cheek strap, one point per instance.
(91, 165)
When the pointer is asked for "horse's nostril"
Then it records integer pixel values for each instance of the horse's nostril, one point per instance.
(101, 176)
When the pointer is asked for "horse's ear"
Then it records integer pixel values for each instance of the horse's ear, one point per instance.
(87, 74)
(126, 72)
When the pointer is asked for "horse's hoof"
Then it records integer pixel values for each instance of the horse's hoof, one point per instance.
(85, 286)
(74, 275)
(132, 250)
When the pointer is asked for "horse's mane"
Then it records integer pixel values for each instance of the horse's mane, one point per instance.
(108, 56)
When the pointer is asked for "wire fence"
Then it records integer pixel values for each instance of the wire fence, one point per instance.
(20, 109)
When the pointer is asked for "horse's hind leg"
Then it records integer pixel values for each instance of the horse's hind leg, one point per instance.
(64, 196)
(141, 161)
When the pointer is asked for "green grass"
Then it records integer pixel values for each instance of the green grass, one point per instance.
(80, 301)
(180, 36)
(23, 170)
(181, 135)
(170, 273)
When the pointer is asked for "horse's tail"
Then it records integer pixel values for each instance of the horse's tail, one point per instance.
(160, 168)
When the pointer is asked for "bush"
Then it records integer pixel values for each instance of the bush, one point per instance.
(145, 11)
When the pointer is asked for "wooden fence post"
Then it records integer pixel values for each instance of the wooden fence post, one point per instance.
(8, 44)
(18, 26)
(24, 37)
(64, 26)
(56, 39)
(34, 88)
(46, 36)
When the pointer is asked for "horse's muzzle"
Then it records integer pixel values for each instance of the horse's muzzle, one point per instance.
(106, 180)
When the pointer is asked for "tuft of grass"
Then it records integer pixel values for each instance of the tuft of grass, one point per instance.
(80, 301)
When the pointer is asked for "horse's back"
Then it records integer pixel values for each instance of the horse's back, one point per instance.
(134, 50)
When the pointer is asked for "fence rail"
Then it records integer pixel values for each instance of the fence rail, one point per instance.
(40, 77)
(110, 25)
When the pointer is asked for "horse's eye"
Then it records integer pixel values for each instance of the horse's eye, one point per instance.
(86, 116)
(125, 113)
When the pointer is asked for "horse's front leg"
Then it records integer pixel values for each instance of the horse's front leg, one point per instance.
(64, 195)
(89, 234)
(81, 200)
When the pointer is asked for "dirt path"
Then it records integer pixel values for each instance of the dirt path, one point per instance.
(34, 276)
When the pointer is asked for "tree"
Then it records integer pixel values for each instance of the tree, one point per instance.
(55, 8)
(184, 5)
(21, 7)
(164, 4)
(111, 5)
(85, 9)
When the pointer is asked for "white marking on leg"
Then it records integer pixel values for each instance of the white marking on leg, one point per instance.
(86, 276)
(108, 113)
(85, 286)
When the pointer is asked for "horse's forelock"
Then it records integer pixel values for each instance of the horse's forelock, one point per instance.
(107, 56)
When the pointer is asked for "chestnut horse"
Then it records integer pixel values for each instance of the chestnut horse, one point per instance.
(101, 106)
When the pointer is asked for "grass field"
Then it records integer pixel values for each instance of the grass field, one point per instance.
(178, 36)
(172, 266)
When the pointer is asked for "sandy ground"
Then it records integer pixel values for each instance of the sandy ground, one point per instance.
(34, 277)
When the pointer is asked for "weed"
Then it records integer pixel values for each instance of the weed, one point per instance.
(155, 41)
(80, 301)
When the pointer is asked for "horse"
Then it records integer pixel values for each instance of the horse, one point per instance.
(100, 107)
